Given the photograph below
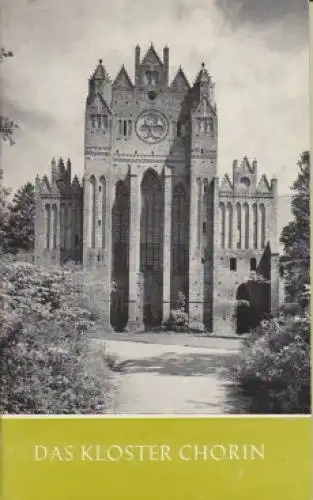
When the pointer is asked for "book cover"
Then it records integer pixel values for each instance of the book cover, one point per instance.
(155, 250)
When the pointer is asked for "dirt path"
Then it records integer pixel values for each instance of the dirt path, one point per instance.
(166, 379)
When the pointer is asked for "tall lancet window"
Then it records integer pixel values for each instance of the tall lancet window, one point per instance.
(179, 230)
(47, 226)
(262, 226)
(54, 225)
(151, 222)
(246, 224)
(229, 218)
(222, 224)
(238, 224)
(103, 208)
(255, 225)
(205, 202)
(62, 225)
(120, 228)
(92, 212)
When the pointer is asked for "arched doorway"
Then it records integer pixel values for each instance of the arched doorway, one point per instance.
(151, 226)
(252, 304)
(243, 309)
(120, 235)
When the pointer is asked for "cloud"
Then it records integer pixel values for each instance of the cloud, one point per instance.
(281, 23)
(263, 11)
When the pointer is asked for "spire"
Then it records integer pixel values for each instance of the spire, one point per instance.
(54, 171)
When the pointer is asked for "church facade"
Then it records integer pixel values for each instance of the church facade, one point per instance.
(151, 218)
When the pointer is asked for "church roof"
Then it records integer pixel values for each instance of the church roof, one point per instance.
(122, 79)
(152, 57)
(100, 73)
(180, 81)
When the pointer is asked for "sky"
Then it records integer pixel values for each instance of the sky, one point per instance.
(255, 50)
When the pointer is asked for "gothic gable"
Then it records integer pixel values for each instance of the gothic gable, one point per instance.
(180, 81)
(263, 185)
(97, 104)
(122, 81)
(226, 184)
(100, 73)
(203, 76)
(203, 108)
(151, 58)
(246, 167)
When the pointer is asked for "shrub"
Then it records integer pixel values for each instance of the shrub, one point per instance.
(46, 365)
(178, 320)
(273, 370)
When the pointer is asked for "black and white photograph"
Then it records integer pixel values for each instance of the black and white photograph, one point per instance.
(154, 207)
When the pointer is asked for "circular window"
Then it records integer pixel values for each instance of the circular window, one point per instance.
(151, 95)
(151, 126)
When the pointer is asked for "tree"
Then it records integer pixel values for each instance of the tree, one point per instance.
(296, 235)
(7, 126)
(4, 213)
(19, 227)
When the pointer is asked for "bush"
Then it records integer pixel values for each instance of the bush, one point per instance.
(178, 320)
(45, 362)
(273, 370)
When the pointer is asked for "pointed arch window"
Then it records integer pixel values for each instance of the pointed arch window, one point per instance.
(125, 128)
(179, 230)
(229, 223)
(178, 129)
(151, 223)
(47, 226)
(92, 203)
(154, 78)
(246, 225)
(54, 214)
(262, 226)
(120, 227)
(253, 264)
(147, 78)
(255, 225)
(99, 122)
(238, 217)
(233, 264)
(103, 208)
(222, 224)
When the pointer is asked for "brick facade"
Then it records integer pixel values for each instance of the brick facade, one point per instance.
(151, 215)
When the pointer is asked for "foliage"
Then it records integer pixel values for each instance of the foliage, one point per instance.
(4, 213)
(178, 320)
(45, 360)
(273, 370)
(296, 235)
(7, 126)
(19, 227)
